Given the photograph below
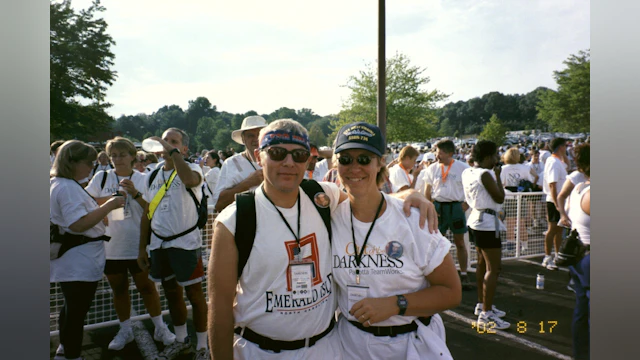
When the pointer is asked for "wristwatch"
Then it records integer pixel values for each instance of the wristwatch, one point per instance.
(137, 195)
(172, 150)
(402, 304)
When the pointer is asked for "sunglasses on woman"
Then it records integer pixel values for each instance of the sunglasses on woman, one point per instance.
(348, 159)
(279, 154)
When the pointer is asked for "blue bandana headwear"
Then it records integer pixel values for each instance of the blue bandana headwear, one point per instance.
(284, 137)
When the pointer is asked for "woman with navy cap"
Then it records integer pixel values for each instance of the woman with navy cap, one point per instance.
(393, 277)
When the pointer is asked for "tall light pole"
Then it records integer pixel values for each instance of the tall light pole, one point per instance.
(382, 96)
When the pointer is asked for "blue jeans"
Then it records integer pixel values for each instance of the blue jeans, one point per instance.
(580, 273)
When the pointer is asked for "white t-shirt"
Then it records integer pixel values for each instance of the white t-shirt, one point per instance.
(512, 174)
(580, 220)
(321, 170)
(399, 178)
(125, 234)
(478, 198)
(544, 155)
(264, 301)
(577, 177)
(211, 177)
(176, 212)
(539, 169)
(451, 189)
(234, 170)
(68, 202)
(417, 253)
(555, 171)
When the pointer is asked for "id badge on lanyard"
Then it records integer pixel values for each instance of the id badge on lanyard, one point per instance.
(356, 293)
(301, 275)
(127, 207)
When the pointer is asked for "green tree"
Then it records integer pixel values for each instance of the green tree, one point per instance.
(494, 131)
(80, 61)
(206, 132)
(446, 128)
(410, 107)
(568, 109)
(316, 136)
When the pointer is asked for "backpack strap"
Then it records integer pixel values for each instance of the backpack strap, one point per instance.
(104, 179)
(312, 188)
(245, 226)
(153, 176)
(246, 211)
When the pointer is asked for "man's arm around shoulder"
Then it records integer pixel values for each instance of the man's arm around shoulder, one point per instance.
(222, 280)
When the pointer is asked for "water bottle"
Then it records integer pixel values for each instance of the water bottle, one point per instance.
(540, 282)
(117, 214)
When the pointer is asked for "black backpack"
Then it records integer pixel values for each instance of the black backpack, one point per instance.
(201, 208)
(246, 211)
(525, 186)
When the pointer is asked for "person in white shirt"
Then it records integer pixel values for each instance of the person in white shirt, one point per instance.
(512, 173)
(583, 160)
(580, 220)
(393, 277)
(555, 174)
(174, 240)
(140, 161)
(78, 219)
(122, 249)
(544, 152)
(400, 174)
(211, 161)
(484, 193)
(312, 169)
(150, 162)
(256, 302)
(441, 183)
(241, 171)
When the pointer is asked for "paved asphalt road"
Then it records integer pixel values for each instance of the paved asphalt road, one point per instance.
(516, 294)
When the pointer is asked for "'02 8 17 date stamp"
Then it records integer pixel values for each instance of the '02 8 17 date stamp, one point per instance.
(522, 327)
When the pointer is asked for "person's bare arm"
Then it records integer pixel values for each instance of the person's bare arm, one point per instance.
(222, 281)
(189, 178)
(567, 188)
(427, 192)
(494, 187)
(553, 189)
(444, 292)
(91, 219)
(227, 196)
(145, 234)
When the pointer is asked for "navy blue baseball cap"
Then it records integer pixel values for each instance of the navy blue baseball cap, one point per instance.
(360, 135)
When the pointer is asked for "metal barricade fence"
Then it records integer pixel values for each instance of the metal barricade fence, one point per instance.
(524, 238)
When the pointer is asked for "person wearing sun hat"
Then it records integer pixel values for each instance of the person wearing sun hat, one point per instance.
(393, 276)
(240, 172)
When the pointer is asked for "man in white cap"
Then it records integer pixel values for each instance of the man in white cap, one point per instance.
(240, 172)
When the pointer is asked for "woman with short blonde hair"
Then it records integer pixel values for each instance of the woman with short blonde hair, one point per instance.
(77, 219)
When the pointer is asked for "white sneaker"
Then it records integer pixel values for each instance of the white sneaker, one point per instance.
(59, 353)
(546, 260)
(499, 313)
(551, 265)
(487, 317)
(524, 247)
(202, 354)
(123, 337)
(164, 335)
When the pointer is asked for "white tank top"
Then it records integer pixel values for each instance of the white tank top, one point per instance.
(580, 220)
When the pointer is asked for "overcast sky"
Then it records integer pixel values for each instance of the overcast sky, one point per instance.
(261, 55)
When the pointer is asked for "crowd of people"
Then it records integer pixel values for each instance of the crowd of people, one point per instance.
(333, 253)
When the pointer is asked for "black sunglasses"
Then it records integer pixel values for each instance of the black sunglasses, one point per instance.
(348, 159)
(279, 154)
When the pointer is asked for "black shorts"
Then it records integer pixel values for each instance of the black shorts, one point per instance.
(115, 267)
(486, 239)
(553, 216)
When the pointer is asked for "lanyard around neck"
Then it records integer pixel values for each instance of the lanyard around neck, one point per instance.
(166, 183)
(445, 174)
(296, 251)
(406, 172)
(118, 179)
(358, 257)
